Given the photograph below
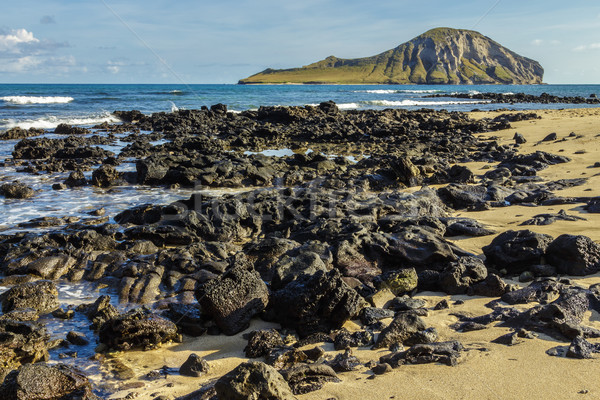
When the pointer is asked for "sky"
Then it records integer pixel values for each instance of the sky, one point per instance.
(222, 41)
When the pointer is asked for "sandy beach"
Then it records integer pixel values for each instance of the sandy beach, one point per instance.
(486, 370)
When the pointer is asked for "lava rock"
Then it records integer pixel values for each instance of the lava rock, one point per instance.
(574, 255)
(460, 275)
(315, 303)
(309, 378)
(22, 342)
(516, 251)
(233, 299)
(16, 190)
(41, 381)
(105, 176)
(137, 328)
(194, 366)
(42, 296)
(260, 343)
(402, 328)
(253, 380)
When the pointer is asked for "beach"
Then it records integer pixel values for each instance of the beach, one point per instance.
(483, 370)
(487, 370)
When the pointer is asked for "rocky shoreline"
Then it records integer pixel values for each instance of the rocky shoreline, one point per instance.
(514, 98)
(352, 226)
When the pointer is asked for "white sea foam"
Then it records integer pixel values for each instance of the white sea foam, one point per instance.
(52, 122)
(377, 91)
(36, 99)
(348, 106)
(174, 107)
(420, 91)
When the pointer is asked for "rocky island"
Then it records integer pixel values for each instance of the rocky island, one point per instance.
(438, 56)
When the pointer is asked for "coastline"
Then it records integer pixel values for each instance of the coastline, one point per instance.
(488, 370)
(485, 369)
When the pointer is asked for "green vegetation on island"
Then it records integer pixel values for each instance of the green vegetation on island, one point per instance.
(439, 56)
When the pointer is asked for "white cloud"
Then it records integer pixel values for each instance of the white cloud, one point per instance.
(587, 47)
(537, 42)
(13, 41)
(22, 52)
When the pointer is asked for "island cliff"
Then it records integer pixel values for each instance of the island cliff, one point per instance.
(438, 56)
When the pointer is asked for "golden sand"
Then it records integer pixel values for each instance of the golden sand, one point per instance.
(487, 370)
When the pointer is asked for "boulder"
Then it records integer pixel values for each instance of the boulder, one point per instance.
(16, 190)
(516, 251)
(253, 380)
(47, 382)
(306, 378)
(22, 342)
(233, 299)
(105, 176)
(194, 366)
(459, 275)
(260, 343)
(315, 303)
(137, 328)
(574, 255)
(403, 328)
(76, 179)
(42, 296)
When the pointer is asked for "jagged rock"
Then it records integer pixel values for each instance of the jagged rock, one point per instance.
(547, 219)
(16, 190)
(137, 328)
(550, 137)
(187, 317)
(543, 292)
(581, 348)
(345, 339)
(22, 342)
(492, 286)
(65, 129)
(51, 267)
(309, 378)
(233, 299)
(105, 176)
(574, 255)
(460, 275)
(516, 251)
(289, 268)
(99, 311)
(285, 357)
(260, 343)
(253, 380)
(76, 179)
(403, 327)
(42, 296)
(315, 303)
(519, 138)
(194, 366)
(406, 303)
(41, 381)
(371, 315)
(443, 352)
(344, 362)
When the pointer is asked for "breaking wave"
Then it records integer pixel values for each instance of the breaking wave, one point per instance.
(37, 99)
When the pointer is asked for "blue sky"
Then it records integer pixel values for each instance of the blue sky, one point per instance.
(221, 41)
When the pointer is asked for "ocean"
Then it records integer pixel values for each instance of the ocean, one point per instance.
(46, 106)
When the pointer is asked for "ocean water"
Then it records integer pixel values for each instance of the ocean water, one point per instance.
(45, 106)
